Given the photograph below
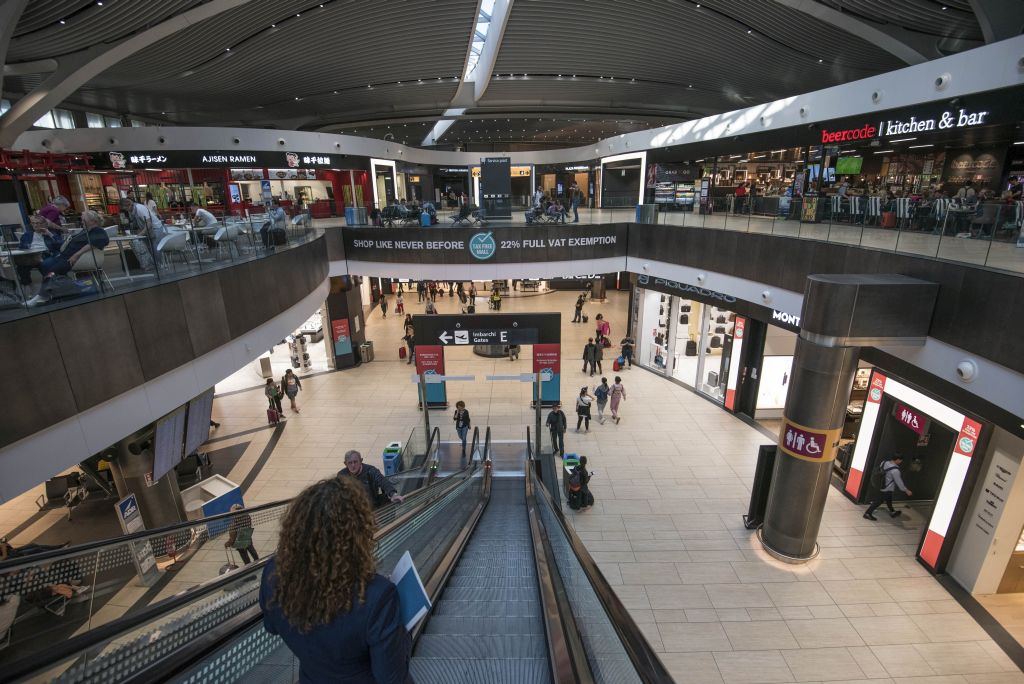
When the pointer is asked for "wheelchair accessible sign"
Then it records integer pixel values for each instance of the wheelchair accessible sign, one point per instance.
(808, 444)
(482, 246)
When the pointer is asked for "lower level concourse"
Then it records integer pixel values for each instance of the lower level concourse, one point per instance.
(672, 480)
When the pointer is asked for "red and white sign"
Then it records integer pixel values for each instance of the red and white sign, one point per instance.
(737, 348)
(547, 357)
(340, 329)
(429, 359)
(911, 418)
(877, 388)
(864, 133)
(967, 440)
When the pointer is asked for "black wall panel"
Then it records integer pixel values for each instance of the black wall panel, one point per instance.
(158, 325)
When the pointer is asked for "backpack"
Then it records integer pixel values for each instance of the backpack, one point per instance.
(601, 393)
(878, 475)
(575, 481)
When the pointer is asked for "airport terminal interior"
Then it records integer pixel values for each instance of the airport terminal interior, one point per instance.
(512, 341)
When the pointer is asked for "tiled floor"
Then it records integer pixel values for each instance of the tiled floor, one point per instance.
(671, 483)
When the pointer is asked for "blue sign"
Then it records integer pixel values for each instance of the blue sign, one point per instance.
(128, 507)
(482, 246)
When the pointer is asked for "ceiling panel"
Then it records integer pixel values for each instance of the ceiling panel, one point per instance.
(950, 19)
(550, 131)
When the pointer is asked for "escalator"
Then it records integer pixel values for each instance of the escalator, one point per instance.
(515, 595)
(487, 625)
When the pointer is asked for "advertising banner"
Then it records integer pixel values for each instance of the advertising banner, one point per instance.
(130, 517)
(341, 336)
(246, 163)
(496, 186)
(430, 361)
(512, 244)
(547, 360)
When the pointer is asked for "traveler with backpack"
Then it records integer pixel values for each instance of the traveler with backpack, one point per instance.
(601, 393)
(590, 356)
(578, 315)
(579, 486)
(583, 402)
(618, 393)
(383, 306)
(627, 352)
(602, 332)
(462, 423)
(888, 478)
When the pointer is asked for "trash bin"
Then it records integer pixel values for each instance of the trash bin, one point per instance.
(366, 352)
(355, 216)
(392, 458)
(647, 213)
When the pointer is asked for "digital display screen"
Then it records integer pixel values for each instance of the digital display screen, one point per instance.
(167, 443)
(200, 411)
(849, 166)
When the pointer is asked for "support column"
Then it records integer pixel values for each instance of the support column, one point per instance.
(840, 314)
(132, 463)
(812, 422)
(344, 327)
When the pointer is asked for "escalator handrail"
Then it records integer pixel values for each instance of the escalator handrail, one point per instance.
(473, 445)
(486, 456)
(644, 659)
(31, 665)
(566, 653)
(46, 557)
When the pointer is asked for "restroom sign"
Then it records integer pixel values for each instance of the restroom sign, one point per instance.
(808, 444)
(911, 418)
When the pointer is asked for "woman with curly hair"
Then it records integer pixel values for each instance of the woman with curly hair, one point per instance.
(322, 595)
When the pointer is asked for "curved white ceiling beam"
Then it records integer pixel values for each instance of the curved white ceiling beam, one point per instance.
(10, 12)
(77, 69)
(854, 26)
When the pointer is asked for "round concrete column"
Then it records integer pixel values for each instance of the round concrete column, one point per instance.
(812, 422)
(160, 503)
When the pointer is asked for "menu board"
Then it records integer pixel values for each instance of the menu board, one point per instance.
(995, 490)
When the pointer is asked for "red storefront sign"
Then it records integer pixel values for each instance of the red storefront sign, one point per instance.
(864, 133)
(547, 357)
(741, 324)
(340, 329)
(911, 418)
(429, 359)
(876, 389)
(967, 440)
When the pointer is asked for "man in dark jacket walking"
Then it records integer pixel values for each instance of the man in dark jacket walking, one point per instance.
(378, 488)
(557, 424)
(590, 356)
(578, 314)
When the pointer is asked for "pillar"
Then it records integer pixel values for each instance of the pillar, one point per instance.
(840, 314)
(132, 465)
(344, 327)
(812, 422)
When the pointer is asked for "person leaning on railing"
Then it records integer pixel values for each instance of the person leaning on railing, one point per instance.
(321, 592)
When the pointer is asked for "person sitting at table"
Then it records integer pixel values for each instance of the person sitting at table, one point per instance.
(53, 212)
(966, 194)
(92, 236)
(39, 237)
(205, 223)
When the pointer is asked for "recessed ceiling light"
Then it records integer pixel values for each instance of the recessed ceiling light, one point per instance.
(62, 22)
(821, 61)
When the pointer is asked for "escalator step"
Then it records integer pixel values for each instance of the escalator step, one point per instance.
(518, 671)
(446, 624)
(489, 594)
(488, 608)
(491, 581)
(498, 570)
(454, 646)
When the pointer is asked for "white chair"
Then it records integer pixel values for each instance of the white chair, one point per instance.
(874, 209)
(837, 207)
(856, 203)
(92, 262)
(902, 206)
(227, 235)
(111, 231)
(174, 243)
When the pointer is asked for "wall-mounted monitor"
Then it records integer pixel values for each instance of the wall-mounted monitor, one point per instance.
(200, 412)
(849, 166)
(168, 442)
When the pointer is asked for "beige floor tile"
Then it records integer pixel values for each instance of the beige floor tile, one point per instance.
(738, 596)
(949, 627)
(902, 660)
(897, 629)
(760, 635)
(693, 636)
(822, 664)
(753, 667)
(958, 658)
(698, 668)
(824, 632)
(798, 594)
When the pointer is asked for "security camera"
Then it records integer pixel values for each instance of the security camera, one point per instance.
(766, 295)
(804, 111)
(235, 140)
(281, 142)
(877, 96)
(646, 266)
(967, 370)
(700, 277)
(45, 142)
(337, 146)
(112, 141)
(161, 140)
(1020, 63)
(942, 81)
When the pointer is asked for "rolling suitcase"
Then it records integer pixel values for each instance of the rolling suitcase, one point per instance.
(691, 348)
(586, 318)
(616, 366)
(273, 417)
(401, 352)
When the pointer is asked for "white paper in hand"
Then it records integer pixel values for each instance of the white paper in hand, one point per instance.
(412, 597)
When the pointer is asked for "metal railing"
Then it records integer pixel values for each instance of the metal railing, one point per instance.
(121, 261)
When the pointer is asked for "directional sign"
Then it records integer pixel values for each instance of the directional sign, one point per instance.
(434, 379)
(488, 328)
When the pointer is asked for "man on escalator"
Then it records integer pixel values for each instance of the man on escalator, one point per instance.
(378, 488)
